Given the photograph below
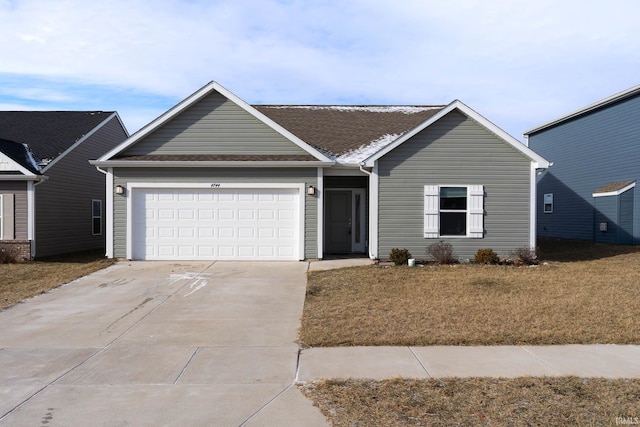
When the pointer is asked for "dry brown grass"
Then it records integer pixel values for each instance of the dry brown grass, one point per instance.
(568, 301)
(27, 279)
(558, 401)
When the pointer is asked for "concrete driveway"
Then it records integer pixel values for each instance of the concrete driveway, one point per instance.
(159, 343)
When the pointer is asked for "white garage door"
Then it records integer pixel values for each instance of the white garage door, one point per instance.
(221, 224)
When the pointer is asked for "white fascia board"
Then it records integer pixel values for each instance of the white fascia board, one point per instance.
(615, 193)
(603, 102)
(17, 166)
(195, 97)
(210, 164)
(80, 141)
(539, 161)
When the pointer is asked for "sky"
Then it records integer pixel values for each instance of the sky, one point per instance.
(518, 63)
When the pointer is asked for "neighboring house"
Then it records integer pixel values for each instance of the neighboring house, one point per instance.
(216, 178)
(51, 198)
(590, 192)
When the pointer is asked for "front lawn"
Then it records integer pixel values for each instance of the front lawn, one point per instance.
(585, 293)
(559, 401)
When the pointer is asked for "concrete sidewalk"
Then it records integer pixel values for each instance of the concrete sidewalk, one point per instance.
(599, 360)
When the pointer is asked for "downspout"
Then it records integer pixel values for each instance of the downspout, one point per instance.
(373, 211)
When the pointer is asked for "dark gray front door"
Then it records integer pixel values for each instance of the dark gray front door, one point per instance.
(337, 221)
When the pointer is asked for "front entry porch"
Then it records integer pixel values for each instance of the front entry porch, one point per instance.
(345, 216)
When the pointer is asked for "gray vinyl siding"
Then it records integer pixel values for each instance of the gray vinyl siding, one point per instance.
(20, 206)
(587, 152)
(455, 150)
(122, 176)
(214, 125)
(63, 201)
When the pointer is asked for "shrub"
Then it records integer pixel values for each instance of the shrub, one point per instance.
(486, 256)
(399, 256)
(441, 252)
(525, 255)
(8, 255)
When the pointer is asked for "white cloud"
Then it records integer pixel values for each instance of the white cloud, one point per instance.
(518, 63)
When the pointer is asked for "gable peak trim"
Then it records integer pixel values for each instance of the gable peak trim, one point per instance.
(538, 160)
(197, 96)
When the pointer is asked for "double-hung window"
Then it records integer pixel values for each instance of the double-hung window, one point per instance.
(453, 211)
(96, 217)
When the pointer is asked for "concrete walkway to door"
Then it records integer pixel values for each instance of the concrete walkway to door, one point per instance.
(159, 343)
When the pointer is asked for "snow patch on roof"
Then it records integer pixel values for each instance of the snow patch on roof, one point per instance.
(406, 109)
(31, 158)
(363, 152)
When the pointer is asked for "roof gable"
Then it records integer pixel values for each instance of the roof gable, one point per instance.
(49, 134)
(464, 109)
(213, 108)
(620, 96)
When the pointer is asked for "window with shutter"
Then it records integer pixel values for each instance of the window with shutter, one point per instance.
(431, 212)
(7, 231)
(453, 211)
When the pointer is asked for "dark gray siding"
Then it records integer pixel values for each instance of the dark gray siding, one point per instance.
(587, 152)
(625, 235)
(122, 176)
(214, 125)
(617, 212)
(19, 190)
(454, 150)
(63, 202)
(606, 211)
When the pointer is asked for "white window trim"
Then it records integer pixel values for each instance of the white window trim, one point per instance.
(432, 211)
(544, 203)
(93, 217)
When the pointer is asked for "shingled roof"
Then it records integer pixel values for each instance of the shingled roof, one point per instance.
(348, 133)
(48, 133)
(20, 154)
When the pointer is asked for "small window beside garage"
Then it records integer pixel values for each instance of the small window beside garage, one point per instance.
(548, 203)
(96, 217)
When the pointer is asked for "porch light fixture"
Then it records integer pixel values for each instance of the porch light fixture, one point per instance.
(311, 190)
(119, 189)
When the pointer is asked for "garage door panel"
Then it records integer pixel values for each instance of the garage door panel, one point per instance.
(226, 214)
(215, 223)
